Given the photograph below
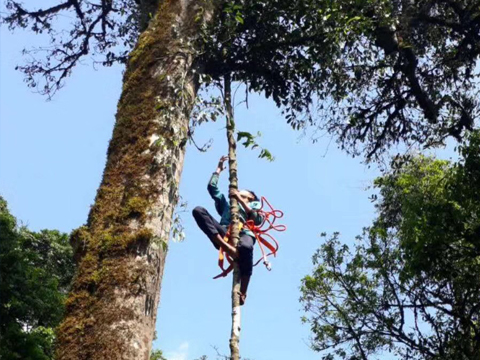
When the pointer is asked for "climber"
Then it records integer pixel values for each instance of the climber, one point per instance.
(248, 210)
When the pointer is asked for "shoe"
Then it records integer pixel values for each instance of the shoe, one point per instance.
(243, 297)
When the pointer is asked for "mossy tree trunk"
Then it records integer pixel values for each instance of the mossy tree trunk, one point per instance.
(111, 310)
(235, 231)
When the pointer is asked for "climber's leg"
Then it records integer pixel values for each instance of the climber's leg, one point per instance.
(245, 263)
(213, 230)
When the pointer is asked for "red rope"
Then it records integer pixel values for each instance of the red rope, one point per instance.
(261, 234)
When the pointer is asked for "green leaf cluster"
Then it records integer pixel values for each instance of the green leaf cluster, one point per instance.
(36, 269)
(249, 141)
(157, 355)
(411, 284)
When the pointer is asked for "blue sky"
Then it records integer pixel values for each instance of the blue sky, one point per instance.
(52, 156)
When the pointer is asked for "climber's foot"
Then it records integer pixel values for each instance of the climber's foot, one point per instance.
(243, 298)
(229, 249)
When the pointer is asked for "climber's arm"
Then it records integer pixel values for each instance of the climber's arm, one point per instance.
(221, 202)
(251, 208)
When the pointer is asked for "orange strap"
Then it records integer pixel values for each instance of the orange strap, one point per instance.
(260, 233)
(222, 254)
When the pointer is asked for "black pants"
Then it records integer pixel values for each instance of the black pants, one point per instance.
(212, 227)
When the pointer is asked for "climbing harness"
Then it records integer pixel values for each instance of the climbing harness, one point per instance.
(263, 238)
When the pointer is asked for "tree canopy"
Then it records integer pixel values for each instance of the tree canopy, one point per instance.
(36, 269)
(374, 73)
(411, 284)
(105, 31)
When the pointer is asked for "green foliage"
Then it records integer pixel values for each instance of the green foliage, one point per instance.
(177, 232)
(207, 108)
(373, 72)
(36, 269)
(434, 208)
(411, 284)
(157, 355)
(249, 141)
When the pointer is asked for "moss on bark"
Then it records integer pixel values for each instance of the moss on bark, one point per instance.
(133, 181)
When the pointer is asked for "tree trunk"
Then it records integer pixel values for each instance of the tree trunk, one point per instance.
(111, 310)
(235, 232)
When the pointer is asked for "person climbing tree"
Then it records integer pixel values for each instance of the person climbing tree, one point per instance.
(216, 231)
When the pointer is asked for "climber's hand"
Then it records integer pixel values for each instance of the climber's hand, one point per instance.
(221, 166)
(234, 193)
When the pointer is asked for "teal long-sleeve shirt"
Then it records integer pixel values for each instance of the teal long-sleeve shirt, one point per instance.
(223, 206)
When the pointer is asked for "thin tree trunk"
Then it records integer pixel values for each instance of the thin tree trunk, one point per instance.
(235, 232)
(112, 307)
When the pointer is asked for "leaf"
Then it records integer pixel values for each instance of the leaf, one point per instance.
(356, 18)
(265, 154)
(244, 134)
(239, 19)
(164, 245)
